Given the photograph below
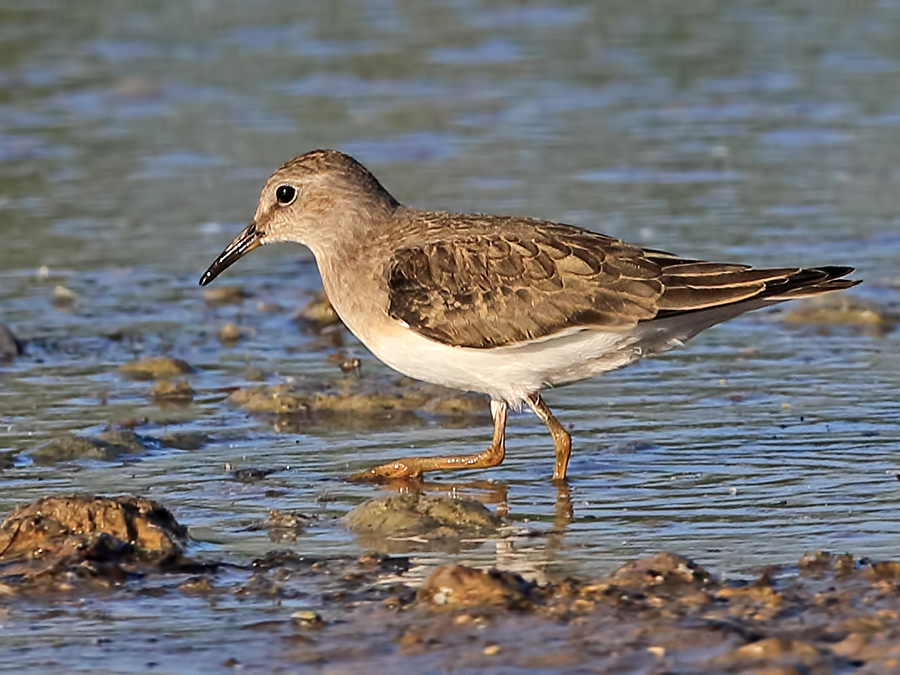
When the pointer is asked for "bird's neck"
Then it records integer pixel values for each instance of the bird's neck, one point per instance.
(352, 264)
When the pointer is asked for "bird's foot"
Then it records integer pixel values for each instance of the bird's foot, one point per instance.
(399, 468)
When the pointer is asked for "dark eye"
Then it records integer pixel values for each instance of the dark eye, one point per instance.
(285, 194)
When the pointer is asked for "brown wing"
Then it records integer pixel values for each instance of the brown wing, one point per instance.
(498, 289)
(502, 288)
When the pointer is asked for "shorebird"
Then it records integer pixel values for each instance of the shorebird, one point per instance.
(501, 305)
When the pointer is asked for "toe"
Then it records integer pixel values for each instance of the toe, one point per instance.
(396, 469)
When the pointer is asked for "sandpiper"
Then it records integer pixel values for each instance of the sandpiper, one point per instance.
(505, 306)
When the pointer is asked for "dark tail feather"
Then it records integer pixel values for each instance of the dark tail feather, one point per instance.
(812, 281)
(694, 287)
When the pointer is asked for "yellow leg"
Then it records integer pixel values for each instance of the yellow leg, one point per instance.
(413, 467)
(562, 442)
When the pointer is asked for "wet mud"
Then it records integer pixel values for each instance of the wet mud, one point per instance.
(660, 613)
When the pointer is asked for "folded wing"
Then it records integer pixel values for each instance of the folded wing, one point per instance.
(531, 282)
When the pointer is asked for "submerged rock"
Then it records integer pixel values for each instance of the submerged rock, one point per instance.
(251, 474)
(224, 295)
(789, 656)
(185, 440)
(319, 312)
(172, 392)
(229, 334)
(358, 395)
(155, 368)
(63, 298)
(840, 309)
(126, 439)
(7, 460)
(108, 446)
(84, 536)
(286, 525)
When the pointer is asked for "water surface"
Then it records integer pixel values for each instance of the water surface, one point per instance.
(134, 139)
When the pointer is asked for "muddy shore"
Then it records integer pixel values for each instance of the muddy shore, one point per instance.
(662, 613)
(76, 557)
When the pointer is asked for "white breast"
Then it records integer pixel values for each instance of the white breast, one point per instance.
(504, 373)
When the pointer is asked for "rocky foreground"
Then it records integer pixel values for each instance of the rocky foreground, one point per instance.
(663, 613)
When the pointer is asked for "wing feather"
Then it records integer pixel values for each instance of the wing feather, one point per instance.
(531, 279)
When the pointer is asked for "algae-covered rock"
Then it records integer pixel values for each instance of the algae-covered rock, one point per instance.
(155, 368)
(840, 309)
(68, 448)
(442, 521)
(184, 440)
(126, 439)
(108, 446)
(358, 395)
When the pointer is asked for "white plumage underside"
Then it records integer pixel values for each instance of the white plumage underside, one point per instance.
(511, 372)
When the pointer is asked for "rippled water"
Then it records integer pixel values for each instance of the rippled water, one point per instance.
(134, 138)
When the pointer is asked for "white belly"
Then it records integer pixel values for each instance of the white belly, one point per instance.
(504, 373)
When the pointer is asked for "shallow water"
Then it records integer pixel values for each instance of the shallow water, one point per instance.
(134, 139)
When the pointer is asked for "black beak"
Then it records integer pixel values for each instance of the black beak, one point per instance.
(245, 242)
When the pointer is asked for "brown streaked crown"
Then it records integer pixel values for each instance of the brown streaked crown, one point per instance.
(343, 168)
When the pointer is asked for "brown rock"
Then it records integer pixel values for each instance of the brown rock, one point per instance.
(143, 523)
(886, 570)
(155, 368)
(355, 395)
(168, 391)
(851, 645)
(318, 312)
(229, 334)
(454, 586)
(660, 569)
(224, 295)
(759, 594)
(63, 298)
(773, 648)
(821, 561)
(815, 560)
(95, 536)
